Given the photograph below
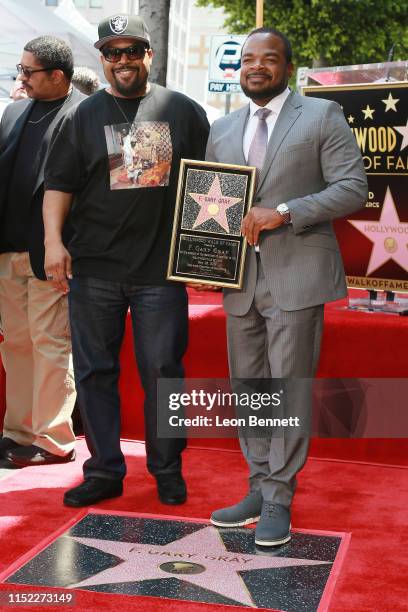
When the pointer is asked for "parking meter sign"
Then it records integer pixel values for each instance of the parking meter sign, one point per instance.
(225, 64)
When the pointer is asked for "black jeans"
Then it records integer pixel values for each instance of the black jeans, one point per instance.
(98, 310)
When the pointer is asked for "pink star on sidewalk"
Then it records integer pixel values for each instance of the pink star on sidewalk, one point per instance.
(218, 570)
(213, 205)
(388, 235)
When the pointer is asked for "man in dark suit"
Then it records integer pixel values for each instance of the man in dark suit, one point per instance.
(310, 172)
(36, 351)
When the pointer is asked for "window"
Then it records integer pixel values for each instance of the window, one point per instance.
(80, 3)
(96, 3)
(51, 2)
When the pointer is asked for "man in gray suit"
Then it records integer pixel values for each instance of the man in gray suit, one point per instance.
(310, 172)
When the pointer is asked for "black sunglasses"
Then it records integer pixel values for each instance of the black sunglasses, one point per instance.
(114, 54)
(29, 71)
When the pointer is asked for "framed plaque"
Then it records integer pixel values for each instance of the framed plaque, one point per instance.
(207, 246)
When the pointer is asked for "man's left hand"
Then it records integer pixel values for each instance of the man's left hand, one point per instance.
(257, 220)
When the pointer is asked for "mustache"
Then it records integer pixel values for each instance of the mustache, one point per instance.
(129, 68)
(262, 74)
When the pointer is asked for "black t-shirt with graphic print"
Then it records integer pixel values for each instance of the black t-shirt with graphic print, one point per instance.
(120, 157)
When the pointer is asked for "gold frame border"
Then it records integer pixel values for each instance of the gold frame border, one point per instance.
(358, 86)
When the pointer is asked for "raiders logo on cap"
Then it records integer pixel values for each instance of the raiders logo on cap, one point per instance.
(122, 26)
(118, 23)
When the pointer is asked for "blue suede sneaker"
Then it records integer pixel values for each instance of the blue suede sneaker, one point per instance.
(273, 528)
(245, 512)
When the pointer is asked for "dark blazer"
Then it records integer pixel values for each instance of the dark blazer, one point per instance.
(14, 119)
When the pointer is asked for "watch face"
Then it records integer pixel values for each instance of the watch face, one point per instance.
(283, 210)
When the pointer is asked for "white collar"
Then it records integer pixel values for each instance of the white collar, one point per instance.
(275, 105)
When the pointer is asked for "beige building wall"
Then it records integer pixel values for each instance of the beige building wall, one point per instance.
(95, 10)
(179, 42)
(191, 28)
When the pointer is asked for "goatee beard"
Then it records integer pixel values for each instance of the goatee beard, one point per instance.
(265, 94)
(131, 89)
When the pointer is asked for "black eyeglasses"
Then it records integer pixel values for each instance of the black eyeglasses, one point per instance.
(114, 54)
(27, 72)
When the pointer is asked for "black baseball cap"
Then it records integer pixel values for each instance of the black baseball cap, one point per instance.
(122, 26)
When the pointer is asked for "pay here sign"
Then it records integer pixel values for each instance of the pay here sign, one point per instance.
(225, 64)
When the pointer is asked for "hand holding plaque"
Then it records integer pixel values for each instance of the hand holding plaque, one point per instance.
(207, 246)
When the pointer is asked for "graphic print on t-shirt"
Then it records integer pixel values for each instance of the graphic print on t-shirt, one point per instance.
(140, 154)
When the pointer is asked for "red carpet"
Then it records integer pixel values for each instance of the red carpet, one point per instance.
(367, 500)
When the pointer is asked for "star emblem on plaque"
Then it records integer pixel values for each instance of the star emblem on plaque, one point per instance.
(213, 207)
(185, 560)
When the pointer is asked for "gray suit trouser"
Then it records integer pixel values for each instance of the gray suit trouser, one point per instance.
(268, 342)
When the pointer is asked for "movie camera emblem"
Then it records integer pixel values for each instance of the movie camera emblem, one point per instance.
(118, 24)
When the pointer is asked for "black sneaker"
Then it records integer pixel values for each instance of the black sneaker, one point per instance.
(171, 488)
(92, 491)
(7, 444)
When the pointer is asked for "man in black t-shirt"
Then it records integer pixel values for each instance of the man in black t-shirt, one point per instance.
(114, 165)
(36, 351)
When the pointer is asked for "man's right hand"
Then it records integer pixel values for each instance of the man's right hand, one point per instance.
(57, 266)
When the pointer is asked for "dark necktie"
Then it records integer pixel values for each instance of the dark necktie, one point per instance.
(259, 144)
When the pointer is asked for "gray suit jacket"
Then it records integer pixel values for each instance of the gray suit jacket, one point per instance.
(313, 165)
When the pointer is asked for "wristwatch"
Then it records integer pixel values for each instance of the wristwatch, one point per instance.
(284, 211)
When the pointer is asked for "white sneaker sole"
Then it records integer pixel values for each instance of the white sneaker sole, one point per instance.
(247, 521)
(273, 542)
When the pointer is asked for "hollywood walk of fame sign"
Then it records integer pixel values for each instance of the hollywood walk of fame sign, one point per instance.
(207, 246)
(374, 241)
(186, 560)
